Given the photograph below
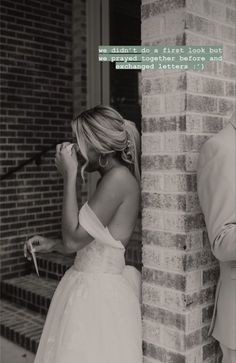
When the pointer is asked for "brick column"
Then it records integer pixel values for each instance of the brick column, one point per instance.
(180, 110)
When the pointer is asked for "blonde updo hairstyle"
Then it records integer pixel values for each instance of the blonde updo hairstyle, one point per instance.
(107, 131)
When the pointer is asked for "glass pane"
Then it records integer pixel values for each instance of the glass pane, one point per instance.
(125, 29)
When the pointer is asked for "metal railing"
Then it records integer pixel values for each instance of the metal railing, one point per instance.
(36, 157)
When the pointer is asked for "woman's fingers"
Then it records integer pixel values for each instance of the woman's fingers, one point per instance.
(38, 248)
(66, 143)
(59, 147)
(34, 244)
(26, 252)
(35, 240)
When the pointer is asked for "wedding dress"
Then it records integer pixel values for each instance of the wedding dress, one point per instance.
(95, 314)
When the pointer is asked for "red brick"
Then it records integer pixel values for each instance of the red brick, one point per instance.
(39, 101)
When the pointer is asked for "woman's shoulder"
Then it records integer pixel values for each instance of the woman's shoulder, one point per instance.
(119, 184)
(121, 177)
(115, 188)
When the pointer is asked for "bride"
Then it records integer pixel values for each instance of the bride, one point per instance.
(95, 314)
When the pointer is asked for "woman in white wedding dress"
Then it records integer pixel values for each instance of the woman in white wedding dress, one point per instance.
(95, 314)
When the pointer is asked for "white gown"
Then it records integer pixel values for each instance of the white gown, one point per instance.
(95, 312)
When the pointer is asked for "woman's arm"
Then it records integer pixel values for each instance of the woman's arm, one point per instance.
(61, 248)
(69, 207)
(74, 236)
(45, 244)
(104, 202)
(67, 164)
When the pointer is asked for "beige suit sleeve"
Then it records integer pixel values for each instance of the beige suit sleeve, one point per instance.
(216, 183)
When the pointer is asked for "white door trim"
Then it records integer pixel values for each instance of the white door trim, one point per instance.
(98, 77)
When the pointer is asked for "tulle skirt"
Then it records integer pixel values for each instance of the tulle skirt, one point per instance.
(93, 318)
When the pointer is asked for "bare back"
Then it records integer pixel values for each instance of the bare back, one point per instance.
(116, 203)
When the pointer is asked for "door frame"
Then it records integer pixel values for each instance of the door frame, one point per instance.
(98, 73)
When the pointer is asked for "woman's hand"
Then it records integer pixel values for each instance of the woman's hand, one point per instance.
(66, 159)
(38, 244)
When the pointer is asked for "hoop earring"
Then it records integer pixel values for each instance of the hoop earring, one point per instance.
(99, 161)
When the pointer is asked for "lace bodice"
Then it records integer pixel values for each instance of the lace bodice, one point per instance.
(98, 257)
(104, 254)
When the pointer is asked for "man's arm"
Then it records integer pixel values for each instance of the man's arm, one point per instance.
(224, 245)
(216, 190)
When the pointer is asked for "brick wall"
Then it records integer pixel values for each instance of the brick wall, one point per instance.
(181, 110)
(36, 95)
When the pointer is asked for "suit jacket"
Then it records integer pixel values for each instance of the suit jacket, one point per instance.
(216, 185)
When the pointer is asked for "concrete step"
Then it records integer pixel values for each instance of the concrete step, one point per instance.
(20, 325)
(11, 352)
(26, 299)
(29, 291)
(53, 265)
